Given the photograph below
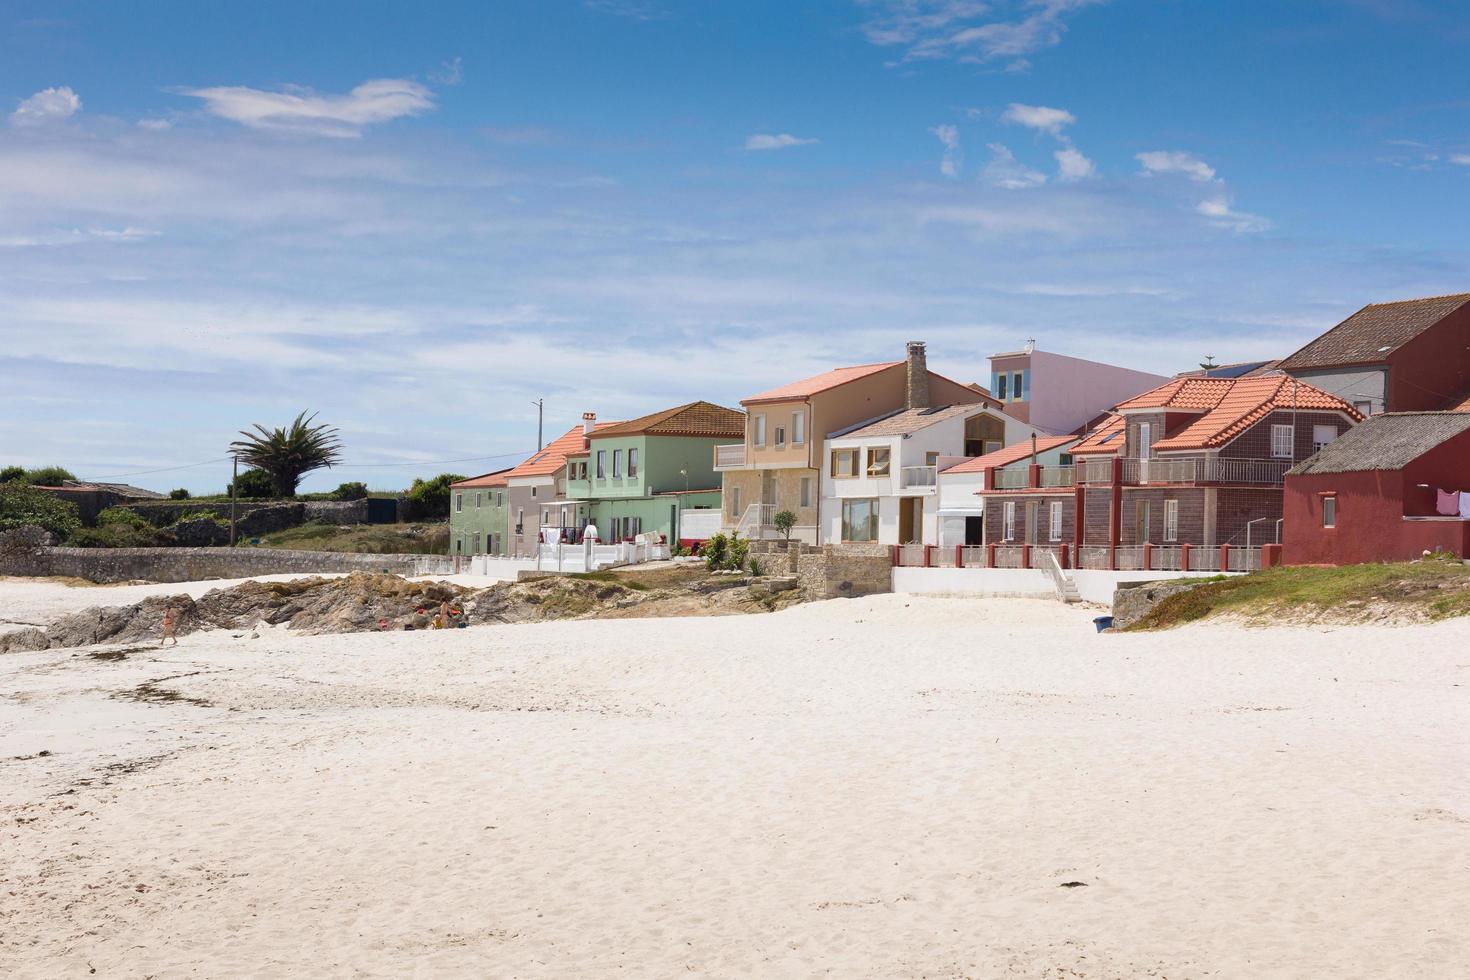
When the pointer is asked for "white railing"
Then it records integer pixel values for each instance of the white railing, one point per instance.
(1204, 559)
(1012, 478)
(944, 557)
(1129, 557)
(918, 476)
(755, 519)
(1159, 470)
(911, 555)
(974, 556)
(729, 455)
(1096, 471)
(1167, 558)
(1245, 560)
(1162, 470)
(1056, 476)
(1092, 556)
(1269, 471)
(1008, 556)
(1039, 553)
(1065, 585)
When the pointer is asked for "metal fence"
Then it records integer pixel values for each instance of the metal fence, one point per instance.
(1204, 559)
(1056, 476)
(1012, 478)
(1008, 556)
(911, 555)
(974, 556)
(1129, 557)
(1167, 558)
(1245, 560)
(1094, 557)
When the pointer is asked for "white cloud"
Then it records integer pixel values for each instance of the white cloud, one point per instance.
(1173, 162)
(1004, 170)
(1463, 159)
(45, 106)
(971, 30)
(157, 125)
(449, 73)
(1038, 117)
(949, 135)
(1072, 165)
(1221, 215)
(301, 110)
(776, 141)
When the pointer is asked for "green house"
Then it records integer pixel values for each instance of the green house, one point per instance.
(478, 515)
(644, 475)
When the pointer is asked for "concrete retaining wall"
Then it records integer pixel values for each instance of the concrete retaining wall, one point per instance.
(1094, 585)
(195, 564)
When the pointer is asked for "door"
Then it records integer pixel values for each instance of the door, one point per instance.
(1141, 523)
(673, 525)
(1031, 507)
(974, 532)
(910, 520)
(768, 487)
(1145, 449)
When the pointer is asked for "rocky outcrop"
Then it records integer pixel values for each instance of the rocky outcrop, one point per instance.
(1133, 600)
(17, 641)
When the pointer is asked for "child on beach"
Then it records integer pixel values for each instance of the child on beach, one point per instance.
(168, 627)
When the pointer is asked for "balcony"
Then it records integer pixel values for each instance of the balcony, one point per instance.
(730, 456)
(1053, 477)
(1013, 478)
(918, 478)
(1163, 471)
(1095, 471)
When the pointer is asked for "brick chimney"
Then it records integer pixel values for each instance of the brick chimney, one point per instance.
(589, 422)
(916, 378)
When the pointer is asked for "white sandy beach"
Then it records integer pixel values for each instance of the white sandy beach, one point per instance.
(885, 787)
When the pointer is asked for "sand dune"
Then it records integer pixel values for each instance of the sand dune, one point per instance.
(890, 787)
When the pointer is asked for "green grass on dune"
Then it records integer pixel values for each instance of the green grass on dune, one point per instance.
(1429, 590)
(368, 539)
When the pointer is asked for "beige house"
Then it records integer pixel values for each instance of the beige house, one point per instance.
(779, 465)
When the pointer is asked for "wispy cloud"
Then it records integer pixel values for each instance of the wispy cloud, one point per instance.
(299, 109)
(775, 141)
(1038, 117)
(1004, 170)
(632, 9)
(450, 72)
(949, 135)
(1157, 162)
(47, 105)
(970, 30)
(1222, 215)
(1072, 165)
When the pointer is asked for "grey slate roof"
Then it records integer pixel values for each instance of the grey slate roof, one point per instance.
(1370, 335)
(907, 420)
(1386, 442)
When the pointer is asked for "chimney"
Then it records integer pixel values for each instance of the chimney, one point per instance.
(916, 380)
(589, 422)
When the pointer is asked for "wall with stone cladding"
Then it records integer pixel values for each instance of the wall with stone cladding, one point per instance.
(834, 571)
(163, 514)
(193, 564)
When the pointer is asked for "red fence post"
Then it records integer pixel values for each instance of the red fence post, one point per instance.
(1224, 557)
(928, 556)
(1066, 557)
(1270, 555)
(1113, 557)
(990, 555)
(1148, 556)
(959, 556)
(1184, 556)
(1025, 556)
(896, 555)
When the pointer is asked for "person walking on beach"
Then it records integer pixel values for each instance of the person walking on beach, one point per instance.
(168, 627)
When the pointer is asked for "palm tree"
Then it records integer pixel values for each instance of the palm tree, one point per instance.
(291, 453)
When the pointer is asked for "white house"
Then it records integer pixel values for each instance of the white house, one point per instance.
(961, 506)
(881, 475)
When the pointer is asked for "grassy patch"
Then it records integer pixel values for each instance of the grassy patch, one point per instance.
(612, 578)
(367, 539)
(1352, 593)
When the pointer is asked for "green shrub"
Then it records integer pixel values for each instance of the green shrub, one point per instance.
(9, 473)
(350, 491)
(178, 493)
(254, 484)
(784, 521)
(755, 567)
(716, 551)
(428, 500)
(22, 505)
(739, 552)
(48, 476)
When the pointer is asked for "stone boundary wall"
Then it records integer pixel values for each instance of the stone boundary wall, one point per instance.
(835, 571)
(194, 564)
(164, 513)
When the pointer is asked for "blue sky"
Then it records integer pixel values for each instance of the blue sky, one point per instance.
(417, 221)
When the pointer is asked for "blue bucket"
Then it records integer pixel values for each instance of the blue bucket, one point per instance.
(1102, 623)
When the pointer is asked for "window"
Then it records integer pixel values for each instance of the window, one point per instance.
(477, 544)
(734, 501)
(632, 462)
(757, 430)
(1365, 408)
(602, 464)
(617, 463)
(806, 491)
(1321, 436)
(780, 436)
(860, 519)
(459, 501)
(1171, 520)
(1329, 511)
(477, 507)
(545, 517)
(500, 498)
(520, 519)
(533, 491)
(931, 459)
(1281, 441)
(1145, 439)
(1056, 521)
(798, 428)
(1010, 521)
(878, 462)
(844, 464)
(1018, 386)
(1002, 385)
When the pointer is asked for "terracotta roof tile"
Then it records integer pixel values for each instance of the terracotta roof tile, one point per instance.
(819, 383)
(1105, 439)
(496, 479)
(1370, 335)
(551, 458)
(693, 419)
(1229, 406)
(1010, 454)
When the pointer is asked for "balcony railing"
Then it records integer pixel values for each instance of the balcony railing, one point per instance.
(1015, 478)
(1095, 471)
(1162, 470)
(911, 555)
(1008, 556)
(918, 476)
(730, 456)
(1056, 476)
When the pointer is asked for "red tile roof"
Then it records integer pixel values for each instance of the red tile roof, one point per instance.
(551, 459)
(693, 419)
(1010, 454)
(1229, 406)
(819, 383)
(1105, 439)
(496, 479)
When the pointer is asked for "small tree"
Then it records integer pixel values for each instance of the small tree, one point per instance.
(716, 551)
(48, 476)
(178, 493)
(253, 484)
(351, 491)
(784, 522)
(739, 552)
(290, 453)
(428, 500)
(22, 505)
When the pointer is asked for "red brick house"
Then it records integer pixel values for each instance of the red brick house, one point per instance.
(1173, 475)
(1373, 495)
(1408, 356)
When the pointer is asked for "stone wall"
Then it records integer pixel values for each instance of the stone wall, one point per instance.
(834, 571)
(164, 513)
(192, 564)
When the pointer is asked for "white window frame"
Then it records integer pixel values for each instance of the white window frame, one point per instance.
(1009, 531)
(458, 501)
(632, 463)
(1056, 521)
(735, 502)
(805, 491)
(1329, 510)
(758, 431)
(798, 428)
(617, 471)
(780, 437)
(602, 464)
(1277, 430)
(1145, 439)
(1318, 443)
(1171, 520)
(477, 500)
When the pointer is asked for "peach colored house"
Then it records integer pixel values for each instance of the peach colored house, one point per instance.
(779, 465)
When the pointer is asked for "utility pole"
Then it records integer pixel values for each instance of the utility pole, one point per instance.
(540, 404)
(234, 489)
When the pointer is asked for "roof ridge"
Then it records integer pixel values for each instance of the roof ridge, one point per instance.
(1421, 299)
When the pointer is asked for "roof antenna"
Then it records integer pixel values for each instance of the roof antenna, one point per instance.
(1031, 345)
